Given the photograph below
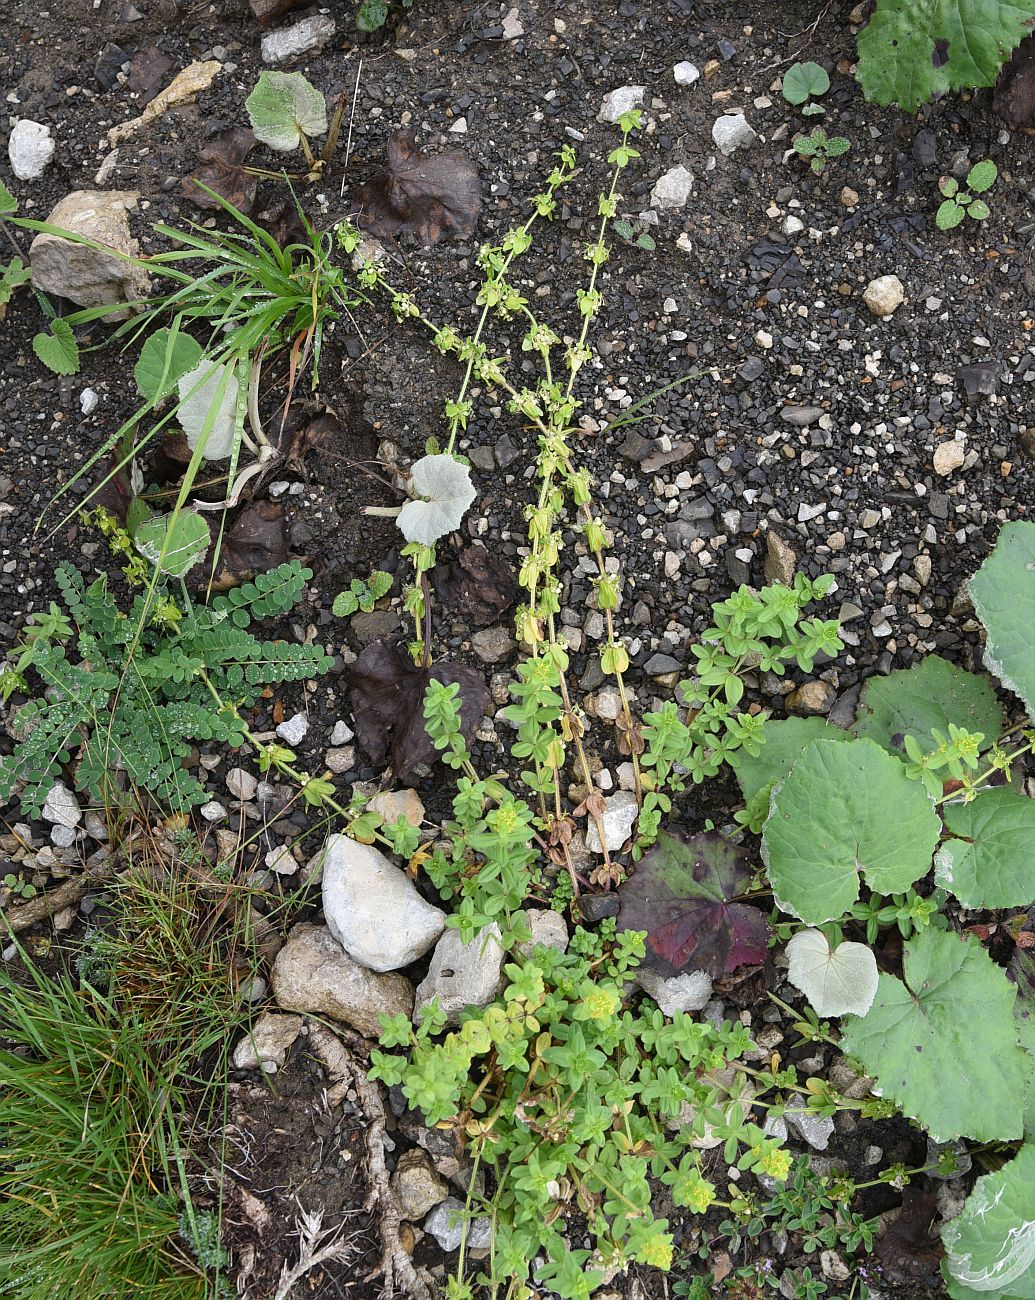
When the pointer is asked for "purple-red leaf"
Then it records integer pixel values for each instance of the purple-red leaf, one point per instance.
(386, 693)
(681, 894)
(421, 194)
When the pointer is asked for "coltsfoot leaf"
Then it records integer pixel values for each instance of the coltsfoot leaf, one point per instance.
(990, 1246)
(283, 107)
(836, 981)
(1003, 592)
(990, 862)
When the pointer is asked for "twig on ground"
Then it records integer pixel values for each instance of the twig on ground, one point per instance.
(20, 918)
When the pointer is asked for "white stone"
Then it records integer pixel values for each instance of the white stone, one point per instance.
(686, 73)
(792, 226)
(282, 861)
(213, 811)
(732, 131)
(673, 189)
(88, 401)
(884, 295)
(816, 1130)
(446, 1224)
(459, 127)
(948, 457)
(688, 992)
(547, 927)
(293, 731)
(620, 101)
(373, 908)
(30, 149)
(301, 38)
(462, 974)
(241, 784)
(61, 807)
(266, 1046)
(512, 27)
(341, 734)
(85, 272)
(390, 805)
(618, 818)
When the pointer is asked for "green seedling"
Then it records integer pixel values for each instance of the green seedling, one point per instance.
(20, 888)
(624, 230)
(14, 276)
(959, 202)
(818, 148)
(805, 81)
(362, 595)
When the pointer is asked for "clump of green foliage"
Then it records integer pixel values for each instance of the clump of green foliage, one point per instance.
(819, 148)
(960, 202)
(128, 692)
(362, 594)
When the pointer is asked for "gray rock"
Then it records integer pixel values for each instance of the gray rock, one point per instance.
(89, 400)
(673, 190)
(686, 73)
(373, 908)
(688, 992)
(751, 369)
(241, 784)
(462, 974)
(30, 149)
(620, 101)
(493, 644)
(301, 38)
(417, 1187)
(816, 1130)
(341, 734)
(801, 416)
(89, 276)
(213, 811)
(446, 1224)
(547, 927)
(512, 26)
(660, 664)
(980, 379)
(618, 818)
(293, 731)
(884, 295)
(61, 806)
(731, 132)
(957, 1158)
(62, 837)
(266, 1046)
(313, 974)
(780, 560)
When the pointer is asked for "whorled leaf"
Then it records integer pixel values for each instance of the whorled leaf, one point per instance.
(446, 492)
(682, 893)
(990, 1246)
(942, 1041)
(990, 859)
(846, 811)
(836, 981)
(1003, 592)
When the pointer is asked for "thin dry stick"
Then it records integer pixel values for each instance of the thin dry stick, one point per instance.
(20, 918)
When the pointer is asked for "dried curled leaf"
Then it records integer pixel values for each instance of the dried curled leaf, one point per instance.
(423, 195)
(220, 167)
(386, 694)
(478, 584)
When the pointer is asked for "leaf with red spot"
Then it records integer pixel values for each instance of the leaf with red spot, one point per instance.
(682, 894)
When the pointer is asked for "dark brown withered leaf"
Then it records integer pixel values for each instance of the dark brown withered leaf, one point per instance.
(219, 166)
(257, 541)
(907, 1249)
(1014, 97)
(477, 584)
(284, 222)
(386, 695)
(267, 10)
(425, 195)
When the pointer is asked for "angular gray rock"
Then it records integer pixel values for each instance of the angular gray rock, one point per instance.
(30, 149)
(686, 73)
(61, 807)
(417, 1187)
(620, 101)
(688, 992)
(267, 1044)
(446, 1224)
(672, 191)
(731, 132)
(462, 974)
(373, 908)
(618, 818)
(547, 927)
(301, 38)
(313, 974)
(90, 277)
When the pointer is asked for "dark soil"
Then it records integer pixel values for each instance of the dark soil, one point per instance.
(852, 491)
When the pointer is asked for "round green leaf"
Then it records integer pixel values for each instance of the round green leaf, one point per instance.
(165, 358)
(982, 176)
(836, 981)
(949, 215)
(926, 697)
(846, 810)
(803, 80)
(942, 1041)
(783, 742)
(991, 863)
(1003, 592)
(173, 543)
(979, 210)
(990, 1246)
(58, 350)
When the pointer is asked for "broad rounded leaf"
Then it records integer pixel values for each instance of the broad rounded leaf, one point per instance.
(784, 740)
(681, 893)
(184, 540)
(927, 696)
(1003, 592)
(909, 52)
(982, 176)
(283, 107)
(836, 981)
(164, 359)
(58, 350)
(802, 80)
(208, 407)
(990, 1246)
(447, 490)
(943, 1044)
(1022, 973)
(991, 862)
(846, 810)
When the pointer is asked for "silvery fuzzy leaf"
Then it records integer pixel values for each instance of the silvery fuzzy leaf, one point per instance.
(836, 981)
(211, 384)
(447, 491)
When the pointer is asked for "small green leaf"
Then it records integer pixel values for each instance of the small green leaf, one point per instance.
(990, 1245)
(838, 145)
(58, 350)
(942, 1042)
(813, 110)
(949, 186)
(623, 229)
(846, 811)
(1003, 592)
(979, 210)
(982, 176)
(949, 215)
(173, 543)
(283, 107)
(164, 359)
(371, 15)
(8, 203)
(646, 243)
(991, 862)
(804, 80)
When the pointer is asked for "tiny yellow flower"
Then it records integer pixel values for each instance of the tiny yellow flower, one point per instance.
(601, 1004)
(776, 1163)
(701, 1196)
(657, 1252)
